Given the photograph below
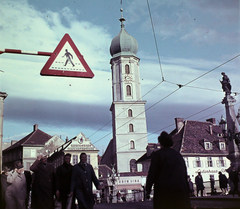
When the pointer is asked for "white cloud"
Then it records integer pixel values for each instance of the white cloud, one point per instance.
(29, 29)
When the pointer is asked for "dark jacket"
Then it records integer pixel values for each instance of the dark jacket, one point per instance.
(199, 182)
(223, 181)
(43, 185)
(63, 179)
(168, 173)
(82, 178)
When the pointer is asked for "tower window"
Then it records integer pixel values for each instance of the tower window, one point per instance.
(133, 165)
(130, 127)
(127, 70)
(129, 90)
(129, 113)
(132, 144)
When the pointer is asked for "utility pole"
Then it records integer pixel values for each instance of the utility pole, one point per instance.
(3, 96)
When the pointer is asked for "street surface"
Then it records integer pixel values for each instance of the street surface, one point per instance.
(226, 202)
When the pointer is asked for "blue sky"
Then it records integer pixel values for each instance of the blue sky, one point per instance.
(193, 38)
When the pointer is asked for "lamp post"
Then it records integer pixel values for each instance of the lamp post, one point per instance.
(113, 179)
(223, 125)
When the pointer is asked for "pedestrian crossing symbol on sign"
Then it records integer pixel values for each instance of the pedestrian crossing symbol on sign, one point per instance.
(66, 60)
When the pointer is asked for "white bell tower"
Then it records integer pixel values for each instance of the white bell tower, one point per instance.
(128, 110)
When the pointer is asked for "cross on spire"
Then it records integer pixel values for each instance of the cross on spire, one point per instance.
(122, 19)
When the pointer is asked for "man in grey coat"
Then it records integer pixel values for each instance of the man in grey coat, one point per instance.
(82, 177)
(16, 192)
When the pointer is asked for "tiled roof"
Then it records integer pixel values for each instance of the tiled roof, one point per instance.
(104, 170)
(36, 137)
(191, 138)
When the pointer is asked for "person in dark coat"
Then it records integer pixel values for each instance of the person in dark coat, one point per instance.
(43, 184)
(233, 176)
(199, 183)
(63, 181)
(168, 173)
(191, 189)
(4, 185)
(82, 177)
(223, 181)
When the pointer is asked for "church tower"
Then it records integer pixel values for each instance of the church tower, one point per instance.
(128, 110)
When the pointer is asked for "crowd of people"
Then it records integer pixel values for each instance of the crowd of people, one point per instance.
(167, 172)
(49, 186)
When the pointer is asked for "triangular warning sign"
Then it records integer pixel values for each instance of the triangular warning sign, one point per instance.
(66, 60)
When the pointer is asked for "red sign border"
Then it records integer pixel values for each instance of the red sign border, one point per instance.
(47, 72)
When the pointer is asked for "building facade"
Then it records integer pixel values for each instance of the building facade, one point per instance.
(81, 144)
(27, 149)
(128, 110)
(202, 146)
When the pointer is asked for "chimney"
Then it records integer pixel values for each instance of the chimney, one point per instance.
(66, 139)
(210, 130)
(35, 127)
(211, 120)
(13, 142)
(179, 123)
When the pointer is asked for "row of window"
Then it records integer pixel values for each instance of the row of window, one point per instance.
(209, 145)
(208, 163)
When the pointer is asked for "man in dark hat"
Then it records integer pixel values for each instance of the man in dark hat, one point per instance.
(4, 185)
(168, 173)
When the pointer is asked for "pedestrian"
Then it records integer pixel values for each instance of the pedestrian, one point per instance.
(110, 198)
(212, 183)
(199, 183)
(43, 184)
(4, 185)
(118, 196)
(190, 184)
(233, 176)
(168, 173)
(63, 181)
(28, 177)
(83, 176)
(16, 195)
(124, 198)
(223, 181)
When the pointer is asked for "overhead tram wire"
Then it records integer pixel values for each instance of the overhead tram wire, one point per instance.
(155, 41)
(127, 108)
(174, 92)
(211, 70)
(161, 74)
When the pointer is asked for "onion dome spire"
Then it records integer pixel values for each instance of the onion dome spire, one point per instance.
(123, 43)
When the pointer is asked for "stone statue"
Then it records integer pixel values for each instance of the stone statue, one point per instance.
(226, 86)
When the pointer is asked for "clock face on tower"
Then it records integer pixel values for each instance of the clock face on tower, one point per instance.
(128, 78)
